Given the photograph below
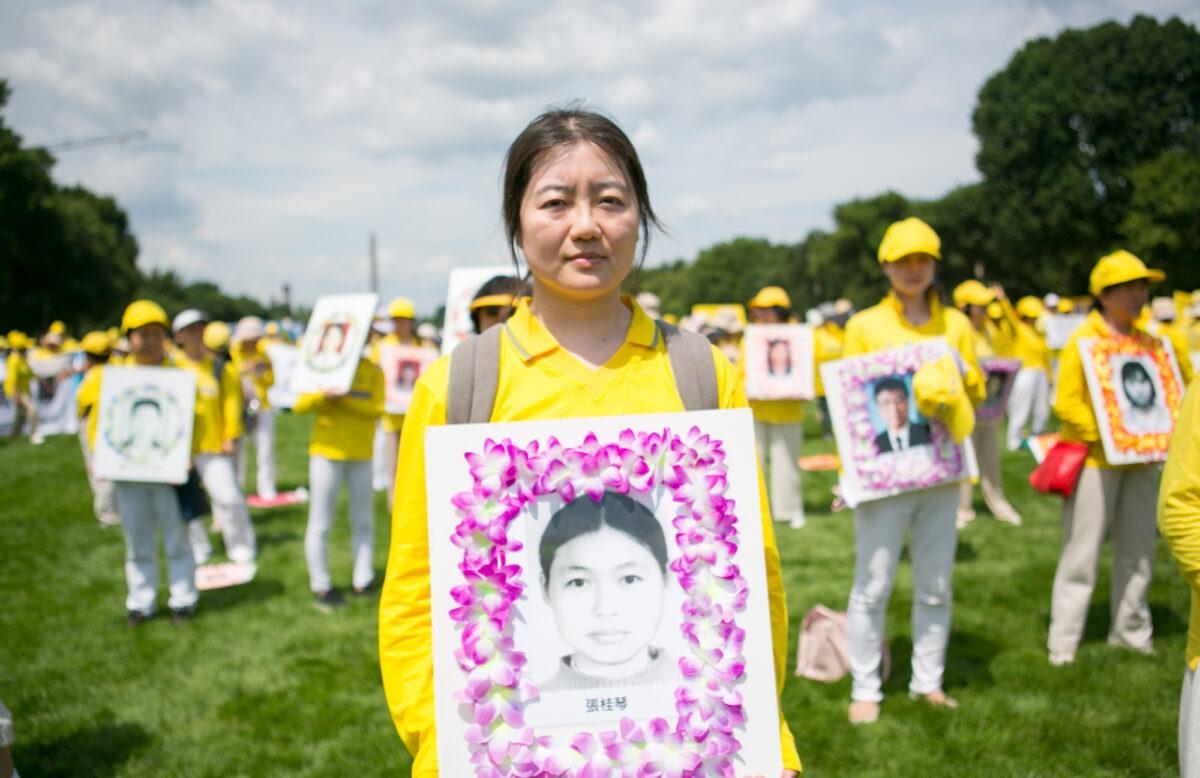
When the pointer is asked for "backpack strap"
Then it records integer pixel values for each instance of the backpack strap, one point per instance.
(474, 377)
(692, 363)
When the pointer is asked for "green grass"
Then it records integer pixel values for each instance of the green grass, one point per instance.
(260, 683)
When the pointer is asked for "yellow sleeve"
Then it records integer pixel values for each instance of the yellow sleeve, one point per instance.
(855, 342)
(365, 402)
(10, 378)
(1179, 495)
(88, 394)
(974, 380)
(308, 402)
(1180, 344)
(267, 379)
(733, 395)
(405, 628)
(232, 425)
(1072, 401)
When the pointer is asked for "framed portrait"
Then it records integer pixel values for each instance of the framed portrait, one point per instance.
(464, 283)
(1136, 391)
(333, 342)
(1059, 327)
(599, 597)
(402, 365)
(779, 362)
(144, 424)
(886, 446)
(284, 358)
(1000, 374)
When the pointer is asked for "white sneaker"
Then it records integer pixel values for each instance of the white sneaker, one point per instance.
(796, 522)
(1058, 660)
(37, 438)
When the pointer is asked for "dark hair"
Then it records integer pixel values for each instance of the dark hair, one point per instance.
(891, 383)
(143, 402)
(614, 510)
(1132, 369)
(565, 127)
(499, 285)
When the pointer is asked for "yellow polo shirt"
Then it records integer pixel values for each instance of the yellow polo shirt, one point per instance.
(345, 427)
(17, 380)
(1028, 344)
(827, 346)
(1179, 509)
(883, 326)
(537, 380)
(260, 379)
(218, 405)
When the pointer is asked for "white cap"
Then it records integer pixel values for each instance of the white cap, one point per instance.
(426, 330)
(814, 317)
(1051, 300)
(187, 318)
(248, 328)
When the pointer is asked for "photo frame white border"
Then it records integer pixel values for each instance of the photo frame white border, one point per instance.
(800, 339)
(361, 309)
(119, 382)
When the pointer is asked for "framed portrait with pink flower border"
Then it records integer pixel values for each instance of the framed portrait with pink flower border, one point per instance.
(599, 598)
(885, 444)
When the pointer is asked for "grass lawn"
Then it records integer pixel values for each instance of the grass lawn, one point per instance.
(260, 683)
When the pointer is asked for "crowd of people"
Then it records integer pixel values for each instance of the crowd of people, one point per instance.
(577, 210)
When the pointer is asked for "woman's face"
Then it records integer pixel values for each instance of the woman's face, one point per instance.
(147, 343)
(764, 316)
(606, 592)
(1139, 389)
(579, 223)
(1124, 302)
(778, 357)
(911, 275)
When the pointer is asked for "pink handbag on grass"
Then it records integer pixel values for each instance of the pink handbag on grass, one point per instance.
(824, 650)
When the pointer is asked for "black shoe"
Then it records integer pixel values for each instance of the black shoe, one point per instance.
(328, 602)
(364, 591)
(180, 615)
(135, 618)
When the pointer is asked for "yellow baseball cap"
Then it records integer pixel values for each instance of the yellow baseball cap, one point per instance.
(995, 310)
(1065, 305)
(1030, 307)
(1120, 267)
(143, 312)
(491, 301)
(770, 297)
(972, 292)
(96, 343)
(18, 340)
(909, 236)
(216, 335)
(272, 329)
(939, 392)
(402, 308)
(57, 328)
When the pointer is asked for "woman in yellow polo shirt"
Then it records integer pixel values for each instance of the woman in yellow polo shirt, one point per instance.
(778, 424)
(911, 312)
(1029, 401)
(575, 204)
(1106, 499)
(257, 376)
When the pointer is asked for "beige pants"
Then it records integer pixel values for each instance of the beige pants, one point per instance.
(1123, 502)
(1189, 727)
(986, 438)
(778, 455)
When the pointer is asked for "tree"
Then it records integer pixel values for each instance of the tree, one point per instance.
(1061, 129)
(1163, 223)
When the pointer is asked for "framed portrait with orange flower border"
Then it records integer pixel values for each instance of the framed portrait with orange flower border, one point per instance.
(1136, 391)
(599, 598)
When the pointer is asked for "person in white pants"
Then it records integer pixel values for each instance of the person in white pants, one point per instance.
(1029, 401)
(254, 369)
(214, 439)
(96, 349)
(946, 388)
(343, 438)
(149, 508)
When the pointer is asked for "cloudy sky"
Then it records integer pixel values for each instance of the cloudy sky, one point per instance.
(280, 134)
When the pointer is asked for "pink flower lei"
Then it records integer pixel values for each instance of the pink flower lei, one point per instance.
(904, 470)
(703, 739)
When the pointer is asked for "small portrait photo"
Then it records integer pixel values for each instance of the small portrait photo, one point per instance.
(407, 373)
(146, 431)
(333, 341)
(894, 417)
(779, 357)
(1140, 395)
(333, 338)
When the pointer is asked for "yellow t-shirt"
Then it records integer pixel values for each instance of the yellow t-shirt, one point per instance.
(218, 405)
(1179, 509)
(884, 326)
(19, 377)
(1028, 345)
(345, 427)
(259, 372)
(1073, 400)
(537, 380)
(827, 345)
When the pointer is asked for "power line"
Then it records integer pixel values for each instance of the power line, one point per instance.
(100, 140)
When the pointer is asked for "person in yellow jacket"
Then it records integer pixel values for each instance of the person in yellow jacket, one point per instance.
(402, 312)
(1179, 524)
(778, 424)
(972, 298)
(1107, 499)
(215, 442)
(911, 312)
(1159, 320)
(575, 198)
(340, 452)
(96, 350)
(254, 370)
(18, 384)
(1029, 401)
(148, 508)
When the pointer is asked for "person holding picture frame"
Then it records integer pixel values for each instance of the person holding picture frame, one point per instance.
(911, 312)
(1107, 499)
(576, 207)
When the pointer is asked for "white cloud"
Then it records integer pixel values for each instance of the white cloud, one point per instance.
(281, 134)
